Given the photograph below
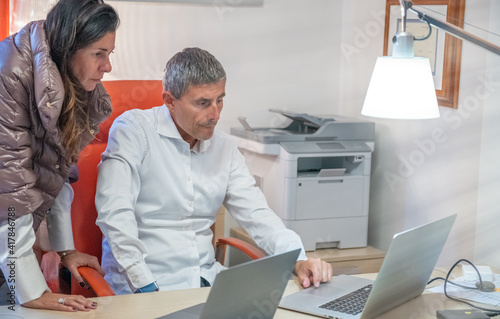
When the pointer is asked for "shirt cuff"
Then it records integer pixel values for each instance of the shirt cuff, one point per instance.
(29, 281)
(17, 260)
(138, 276)
(59, 220)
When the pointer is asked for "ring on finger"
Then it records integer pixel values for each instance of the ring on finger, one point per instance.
(62, 301)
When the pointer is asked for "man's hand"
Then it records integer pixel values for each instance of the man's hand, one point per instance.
(313, 271)
(61, 302)
(74, 259)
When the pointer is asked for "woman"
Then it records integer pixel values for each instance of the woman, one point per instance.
(51, 103)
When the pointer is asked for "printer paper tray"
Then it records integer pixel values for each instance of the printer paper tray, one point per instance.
(329, 197)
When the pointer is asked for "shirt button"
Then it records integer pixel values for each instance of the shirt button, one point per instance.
(57, 166)
(92, 132)
(195, 268)
(189, 178)
(48, 104)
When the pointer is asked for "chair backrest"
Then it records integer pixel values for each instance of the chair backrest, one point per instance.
(125, 95)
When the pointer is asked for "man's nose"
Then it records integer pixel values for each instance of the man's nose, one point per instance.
(215, 110)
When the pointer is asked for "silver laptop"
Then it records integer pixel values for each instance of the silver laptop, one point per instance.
(404, 274)
(249, 290)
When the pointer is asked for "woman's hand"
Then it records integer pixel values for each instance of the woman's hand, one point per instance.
(74, 259)
(61, 302)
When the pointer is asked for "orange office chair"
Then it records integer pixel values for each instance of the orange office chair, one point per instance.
(125, 95)
(248, 249)
(87, 235)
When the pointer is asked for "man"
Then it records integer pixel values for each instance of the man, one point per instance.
(164, 175)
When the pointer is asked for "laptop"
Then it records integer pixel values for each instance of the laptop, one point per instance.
(407, 267)
(249, 290)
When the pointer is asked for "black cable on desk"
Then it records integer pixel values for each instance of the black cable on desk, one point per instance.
(451, 282)
(488, 312)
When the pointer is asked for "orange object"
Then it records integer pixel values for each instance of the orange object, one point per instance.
(4, 19)
(125, 95)
(96, 281)
(248, 249)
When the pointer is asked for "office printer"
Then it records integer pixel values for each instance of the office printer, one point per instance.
(315, 174)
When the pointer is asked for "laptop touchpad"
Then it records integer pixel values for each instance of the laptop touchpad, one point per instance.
(327, 291)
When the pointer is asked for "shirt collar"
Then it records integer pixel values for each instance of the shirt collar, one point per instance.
(166, 127)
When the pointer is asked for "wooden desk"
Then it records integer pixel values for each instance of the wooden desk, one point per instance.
(153, 305)
(344, 261)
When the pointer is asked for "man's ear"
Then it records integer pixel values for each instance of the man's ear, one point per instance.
(168, 99)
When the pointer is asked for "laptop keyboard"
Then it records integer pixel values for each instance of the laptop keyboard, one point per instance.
(352, 303)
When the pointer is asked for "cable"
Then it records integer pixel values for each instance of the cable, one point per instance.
(496, 312)
(444, 271)
(451, 282)
(428, 34)
(488, 312)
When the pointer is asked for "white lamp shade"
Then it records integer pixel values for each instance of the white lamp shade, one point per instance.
(401, 88)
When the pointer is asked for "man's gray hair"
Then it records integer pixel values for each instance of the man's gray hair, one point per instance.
(191, 66)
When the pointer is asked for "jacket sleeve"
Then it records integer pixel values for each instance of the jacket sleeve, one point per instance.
(118, 186)
(18, 199)
(17, 178)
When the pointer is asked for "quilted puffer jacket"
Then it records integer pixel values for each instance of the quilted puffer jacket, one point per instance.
(33, 163)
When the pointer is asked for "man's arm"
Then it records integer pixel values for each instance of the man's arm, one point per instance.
(247, 204)
(118, 186)
(249, 207)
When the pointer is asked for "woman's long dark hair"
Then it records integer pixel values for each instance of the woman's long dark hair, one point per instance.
(73, 25)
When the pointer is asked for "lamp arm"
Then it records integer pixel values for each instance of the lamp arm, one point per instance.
(405, 5)
(457, 32)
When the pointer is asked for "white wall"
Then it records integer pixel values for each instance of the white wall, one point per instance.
(422, 170)
(487, 234)
(282, 55)
(317, 57)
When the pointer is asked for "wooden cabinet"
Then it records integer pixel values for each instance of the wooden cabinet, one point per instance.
(344, 261)
(351, 260)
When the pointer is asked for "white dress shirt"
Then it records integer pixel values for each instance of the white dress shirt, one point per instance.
(157, 198)
(17, 260)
